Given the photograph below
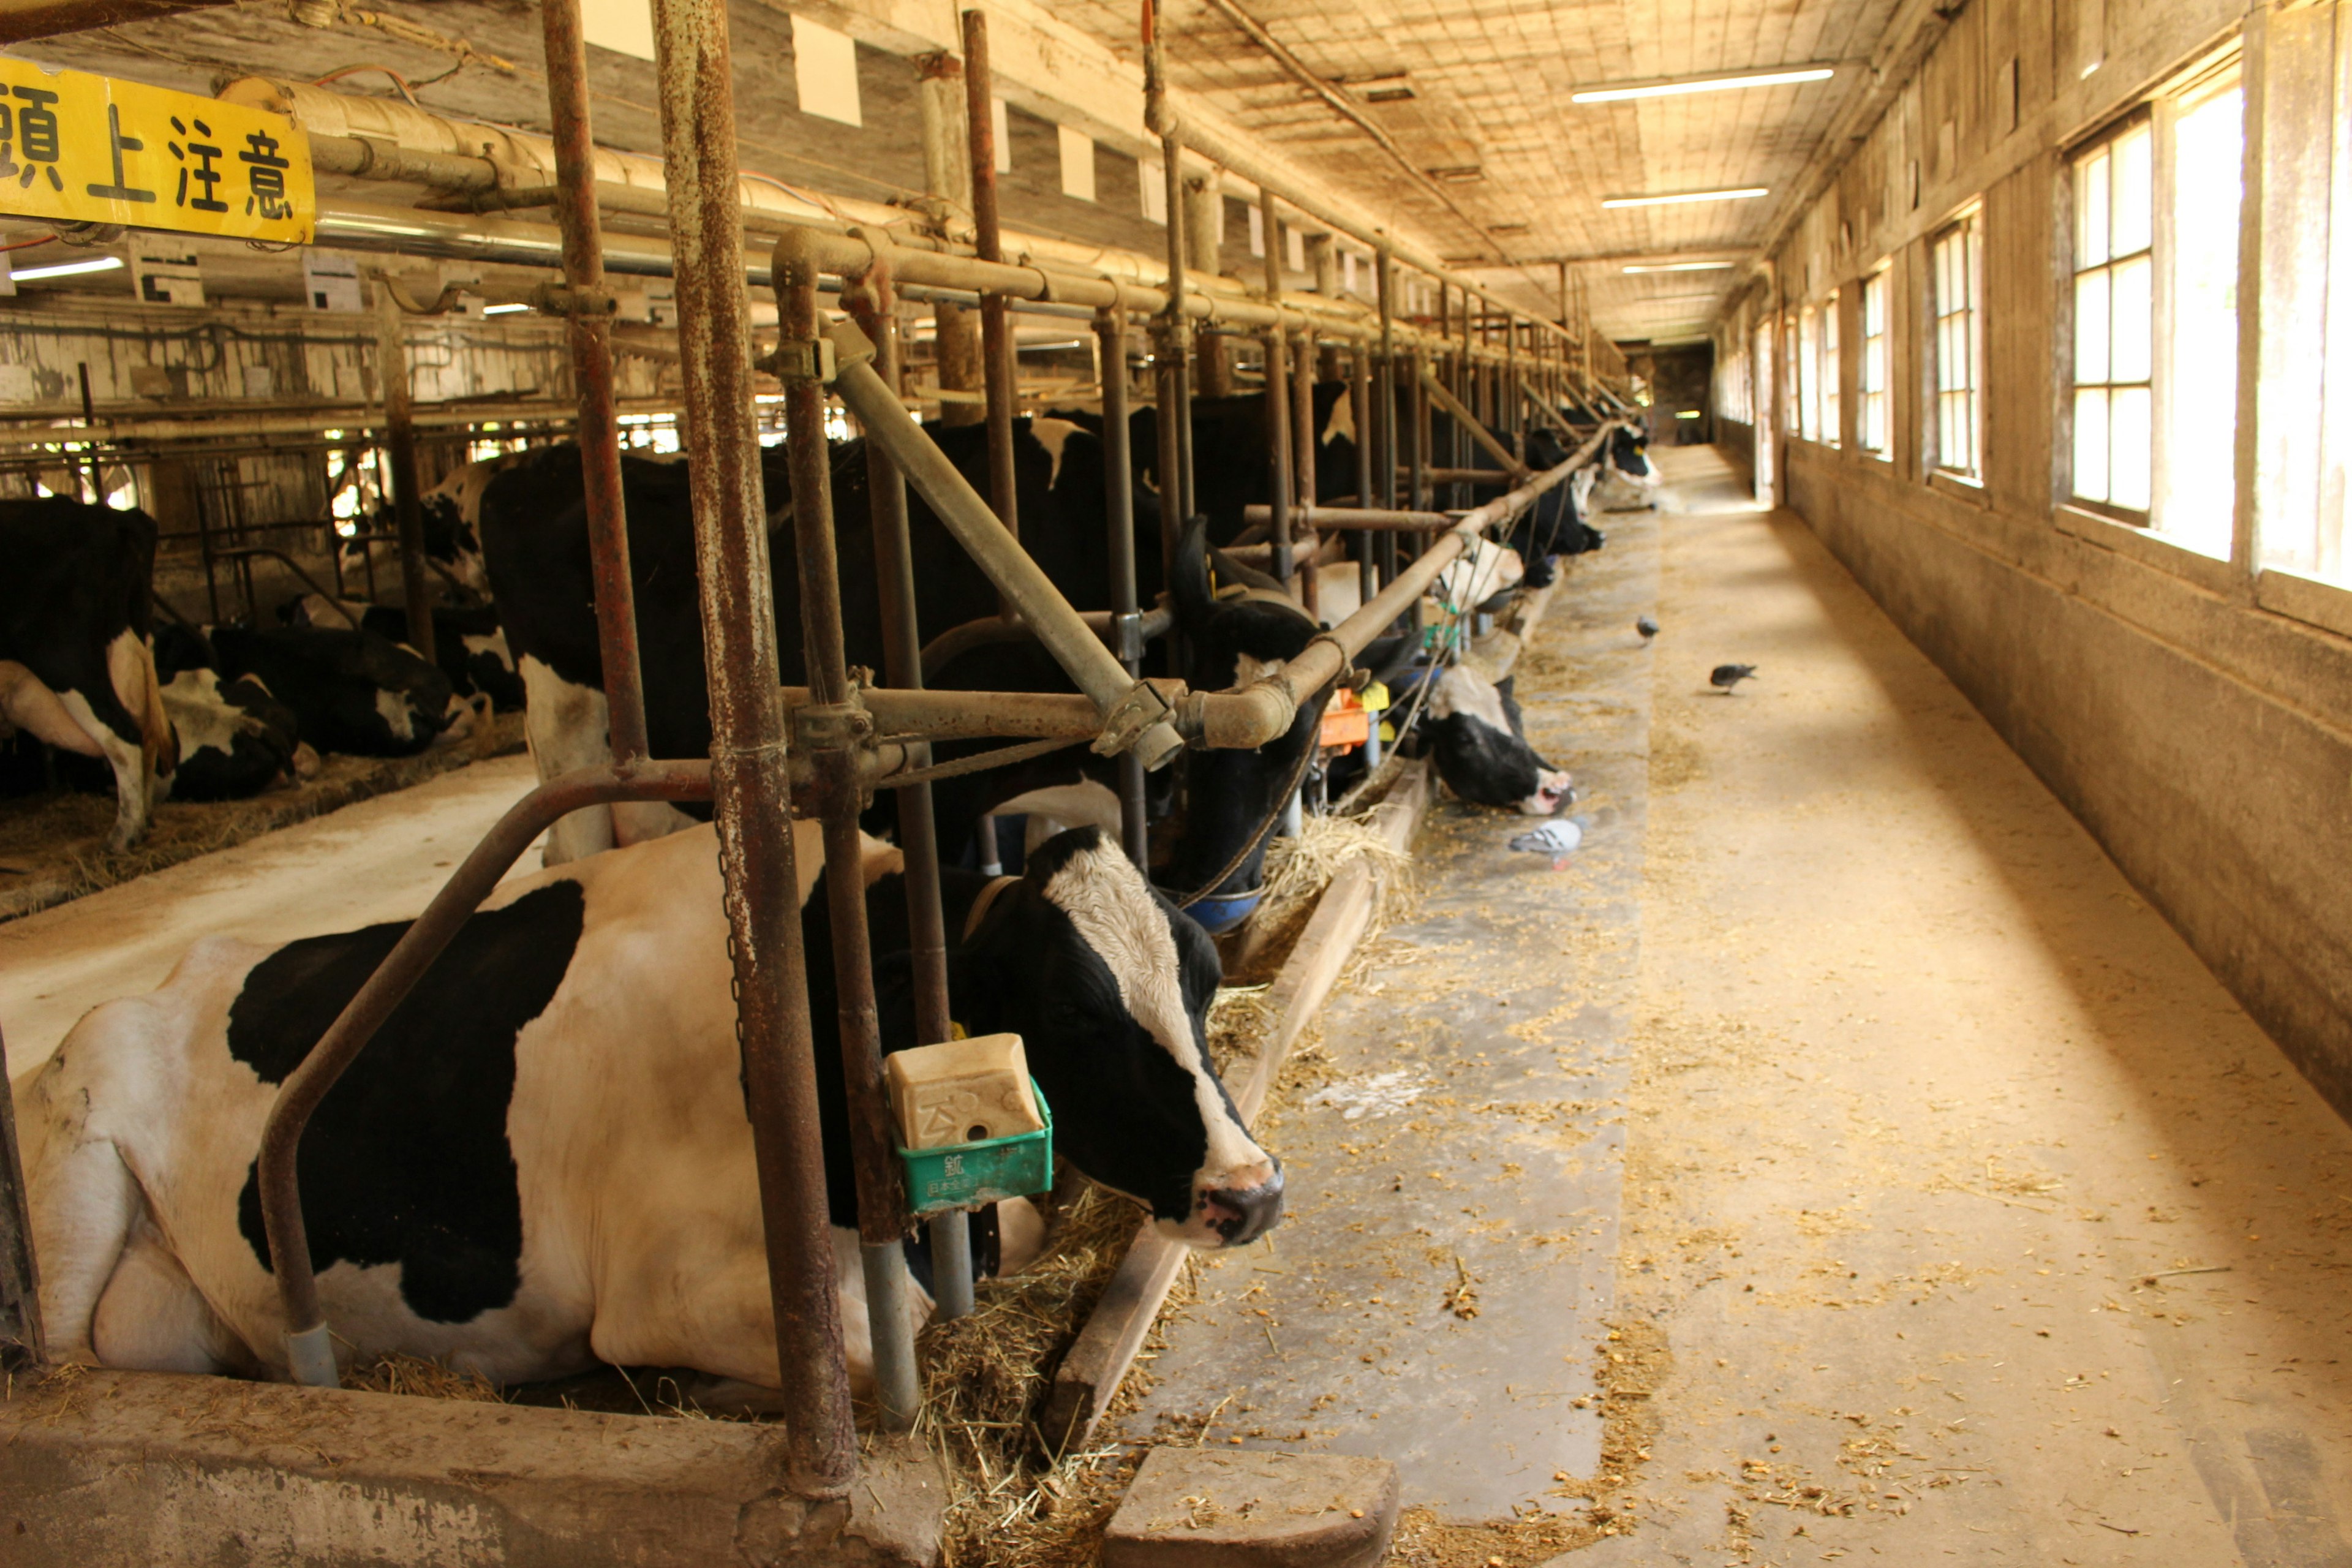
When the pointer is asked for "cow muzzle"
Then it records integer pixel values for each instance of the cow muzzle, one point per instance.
(1236, 1217)
(1553, 789)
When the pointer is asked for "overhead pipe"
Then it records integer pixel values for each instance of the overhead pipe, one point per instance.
(749, 748)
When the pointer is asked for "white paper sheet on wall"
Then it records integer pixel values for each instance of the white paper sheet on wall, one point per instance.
(329, 281)
(1003, 120)
(624, 27)
(1257, 231)
(1154, 175)
(1295, 250)
(1078, 163)
(824, 70)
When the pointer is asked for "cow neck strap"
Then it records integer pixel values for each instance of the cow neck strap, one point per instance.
(982, 904)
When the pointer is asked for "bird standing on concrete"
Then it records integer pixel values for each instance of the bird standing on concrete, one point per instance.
(1726, 676)
(1646, 627)
(1556, 839)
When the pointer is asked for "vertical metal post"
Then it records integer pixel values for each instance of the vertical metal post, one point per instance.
(90, 437)
(1422, 438)
(995, 309)
(874, 306)
(590, 333)
(1203, 249)
(752, 794)
(400, 452)
(829, 731)
(1302, 457)
(1360, 406)
(1277, 396)
(1384, 393)
(1118, 510)
(1172, 352)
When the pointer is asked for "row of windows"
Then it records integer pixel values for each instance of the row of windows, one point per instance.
(2154, 357)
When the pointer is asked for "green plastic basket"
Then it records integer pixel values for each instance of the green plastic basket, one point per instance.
(966, 1175)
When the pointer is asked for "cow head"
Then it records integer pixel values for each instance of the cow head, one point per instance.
(1234, 642)
(1108, 986)
(1485, 758)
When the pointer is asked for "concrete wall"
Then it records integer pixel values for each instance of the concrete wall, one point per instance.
(2195, 712)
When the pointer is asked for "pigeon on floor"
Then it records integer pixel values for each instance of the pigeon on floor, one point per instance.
(1557, 838)
(1646, 627)
(1726, 676)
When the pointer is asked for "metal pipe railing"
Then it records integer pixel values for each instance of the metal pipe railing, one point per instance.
(830, 740)
(998, 379)
(1278, 401)
(1468, 423)
(1118, 522)
(748, 746)
(1373, 518)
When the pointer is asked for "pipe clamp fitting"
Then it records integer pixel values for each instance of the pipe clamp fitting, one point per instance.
(806, 359)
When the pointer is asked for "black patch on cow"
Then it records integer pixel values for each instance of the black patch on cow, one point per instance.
(406, 1160)
(77, 577)
(329, 677)
(1481, 763)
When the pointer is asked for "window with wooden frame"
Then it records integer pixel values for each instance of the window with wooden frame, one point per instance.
(1957, 277)
(1808, 355)
(2114, 320)
(1871, 437)
(1832, 388)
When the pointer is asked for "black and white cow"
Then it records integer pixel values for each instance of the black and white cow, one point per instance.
(1233, 467)
(451, 514)
(467, 642)
(235, 739)
(1481, 746)
(544, 1159)
(76, 615)
(1629, 480)
(351, 690)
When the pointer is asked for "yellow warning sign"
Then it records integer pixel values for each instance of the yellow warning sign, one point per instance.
(91, 149)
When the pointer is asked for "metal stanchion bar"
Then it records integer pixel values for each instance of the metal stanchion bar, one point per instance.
(1360, 407)
(1364, 517)
(956, 641)
(829, 737)
(1118, 517)
(1302, 459)
(1277, 397)
(748, 744)
(590, 329)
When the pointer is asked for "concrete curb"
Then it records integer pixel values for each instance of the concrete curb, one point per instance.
(104, 1467)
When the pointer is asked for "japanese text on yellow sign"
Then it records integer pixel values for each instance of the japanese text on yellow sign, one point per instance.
(91, 149)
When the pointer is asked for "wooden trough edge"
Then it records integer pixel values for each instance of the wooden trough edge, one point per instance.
(1106, 1348)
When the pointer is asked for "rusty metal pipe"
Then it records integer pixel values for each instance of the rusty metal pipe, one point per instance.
(1277, 398)
(1119, 519)
(749, 751)
(310, 1348)
(1360, 408)
(590, 333)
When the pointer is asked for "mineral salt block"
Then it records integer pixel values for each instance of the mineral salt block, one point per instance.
(961, 1091)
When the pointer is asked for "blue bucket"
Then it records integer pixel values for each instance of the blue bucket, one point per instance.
(1221, 912)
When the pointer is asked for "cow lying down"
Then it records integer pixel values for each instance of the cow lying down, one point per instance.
(544, 1159)
(1482, 748)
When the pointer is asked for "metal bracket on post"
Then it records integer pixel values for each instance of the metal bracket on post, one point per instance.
(558, 299)
(806, 359)
(1133, 718)
(1127, 636)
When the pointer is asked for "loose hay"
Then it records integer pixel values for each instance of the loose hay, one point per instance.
(1299, 868)
(420, 1378)
(985, 1380)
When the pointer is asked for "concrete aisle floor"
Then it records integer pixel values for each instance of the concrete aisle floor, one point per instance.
(380, 859)
(1957, 1187)
(1453, 1145)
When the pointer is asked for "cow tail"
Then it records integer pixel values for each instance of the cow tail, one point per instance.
(156, 736)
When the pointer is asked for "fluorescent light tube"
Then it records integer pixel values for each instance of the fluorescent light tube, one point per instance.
(1677, 198)
(70, 268)
(1702, 84)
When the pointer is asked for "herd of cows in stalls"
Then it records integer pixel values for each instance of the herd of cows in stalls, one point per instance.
(483, 1186)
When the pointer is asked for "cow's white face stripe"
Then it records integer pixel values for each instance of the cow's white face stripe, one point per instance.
(1104, 897)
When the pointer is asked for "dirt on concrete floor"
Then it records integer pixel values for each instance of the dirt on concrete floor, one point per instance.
(1978, 1220)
